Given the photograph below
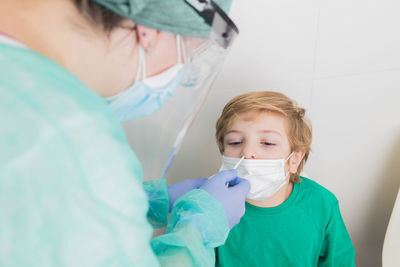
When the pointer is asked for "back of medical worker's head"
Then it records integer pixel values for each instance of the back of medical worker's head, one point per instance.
(299, 129)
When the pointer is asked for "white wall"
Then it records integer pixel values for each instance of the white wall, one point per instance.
(340, 59)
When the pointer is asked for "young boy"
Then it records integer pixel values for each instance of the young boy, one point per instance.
(289, 220)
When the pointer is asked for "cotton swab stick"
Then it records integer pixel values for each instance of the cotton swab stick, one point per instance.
(238, 163)
(236, 166)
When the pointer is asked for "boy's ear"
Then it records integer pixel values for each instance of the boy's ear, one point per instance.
(147, 37)
(295, 161)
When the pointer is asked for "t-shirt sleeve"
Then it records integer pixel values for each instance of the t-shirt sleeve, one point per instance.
(337, 248)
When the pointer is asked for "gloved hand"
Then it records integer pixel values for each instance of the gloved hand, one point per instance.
(177, 190)
(232, 197)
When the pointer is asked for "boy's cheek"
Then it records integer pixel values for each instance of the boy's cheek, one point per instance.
(231, 153)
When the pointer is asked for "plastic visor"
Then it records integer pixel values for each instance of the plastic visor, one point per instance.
(157, 138)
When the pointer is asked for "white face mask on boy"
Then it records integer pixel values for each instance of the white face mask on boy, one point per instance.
(266, 177)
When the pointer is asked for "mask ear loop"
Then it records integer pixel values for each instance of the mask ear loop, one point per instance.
(185, 56)
(142, 58)
(141, 64)
(291, 154)
(180, 49)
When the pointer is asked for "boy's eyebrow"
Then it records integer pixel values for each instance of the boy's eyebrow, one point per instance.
(270, 131)
(233, 131)
(262, 131)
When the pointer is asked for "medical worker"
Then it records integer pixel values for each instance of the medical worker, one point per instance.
(71, 190)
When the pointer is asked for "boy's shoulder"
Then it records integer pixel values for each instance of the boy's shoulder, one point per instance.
(311, 189)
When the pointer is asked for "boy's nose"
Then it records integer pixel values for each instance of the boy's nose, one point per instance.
(249, 152)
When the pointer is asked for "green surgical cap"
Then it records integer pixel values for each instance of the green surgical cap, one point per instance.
(175, 16)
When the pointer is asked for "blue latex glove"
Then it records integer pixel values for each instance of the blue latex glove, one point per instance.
(232, 197)
(177, 190)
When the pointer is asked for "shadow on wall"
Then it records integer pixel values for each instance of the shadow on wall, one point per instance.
(382, 201)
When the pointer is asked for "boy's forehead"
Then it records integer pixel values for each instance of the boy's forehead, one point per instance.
(251, 115)
(259, 116)
(259, 120)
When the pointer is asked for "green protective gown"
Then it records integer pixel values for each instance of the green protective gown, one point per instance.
(71, 189)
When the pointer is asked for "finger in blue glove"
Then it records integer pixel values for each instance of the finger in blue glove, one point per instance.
(232, 197)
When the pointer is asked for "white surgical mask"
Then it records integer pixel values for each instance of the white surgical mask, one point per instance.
(266, 177)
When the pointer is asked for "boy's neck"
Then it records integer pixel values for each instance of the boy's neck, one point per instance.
(277, 199)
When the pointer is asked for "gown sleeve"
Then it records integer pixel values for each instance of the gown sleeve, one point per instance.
(157, 193)
(197, 225)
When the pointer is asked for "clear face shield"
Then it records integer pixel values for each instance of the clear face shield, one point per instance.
(157, 138)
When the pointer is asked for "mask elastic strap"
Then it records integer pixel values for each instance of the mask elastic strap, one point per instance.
(289, 156)
(183, 50)
(142, 57)
(180, 49)
(141, 64)
(287, 160)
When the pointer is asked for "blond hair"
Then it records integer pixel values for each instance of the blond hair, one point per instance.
(299, 127)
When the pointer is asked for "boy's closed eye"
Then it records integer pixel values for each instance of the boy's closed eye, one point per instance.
(234, 143)
(266, 143)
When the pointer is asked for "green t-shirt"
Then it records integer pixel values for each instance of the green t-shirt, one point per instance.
(305, 230)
